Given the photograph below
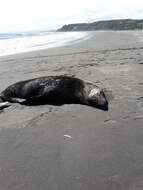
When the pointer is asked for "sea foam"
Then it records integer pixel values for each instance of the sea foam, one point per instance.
(13, 44)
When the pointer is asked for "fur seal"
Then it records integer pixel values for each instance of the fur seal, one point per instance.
(55, 90)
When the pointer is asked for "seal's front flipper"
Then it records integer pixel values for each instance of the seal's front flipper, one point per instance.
(4, 105)
(34, 100)
(16, 100)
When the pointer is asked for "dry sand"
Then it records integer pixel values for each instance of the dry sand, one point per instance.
(76, 147)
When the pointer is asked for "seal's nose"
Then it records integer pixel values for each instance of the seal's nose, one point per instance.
(104, 107)
(103, 103)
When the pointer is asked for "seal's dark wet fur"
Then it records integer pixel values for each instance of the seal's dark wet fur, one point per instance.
(55, 90)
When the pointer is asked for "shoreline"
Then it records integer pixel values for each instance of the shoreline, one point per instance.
(27, 44)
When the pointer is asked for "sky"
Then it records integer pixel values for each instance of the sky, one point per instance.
(28, 15)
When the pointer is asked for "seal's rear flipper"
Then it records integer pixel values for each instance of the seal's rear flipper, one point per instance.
(4, 105)
(16, 100)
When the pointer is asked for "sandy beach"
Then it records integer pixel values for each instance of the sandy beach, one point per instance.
(76, 147)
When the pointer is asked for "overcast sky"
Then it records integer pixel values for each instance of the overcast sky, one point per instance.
(25, 15)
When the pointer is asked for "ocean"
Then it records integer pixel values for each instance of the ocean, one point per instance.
(13, 43)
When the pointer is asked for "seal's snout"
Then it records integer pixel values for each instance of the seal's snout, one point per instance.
(98, 99)
(103, 107)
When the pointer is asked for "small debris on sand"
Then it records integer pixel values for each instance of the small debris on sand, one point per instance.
(68, 136)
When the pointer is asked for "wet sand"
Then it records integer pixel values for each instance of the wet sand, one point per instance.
(76, 147)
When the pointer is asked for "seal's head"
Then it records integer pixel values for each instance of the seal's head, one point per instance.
(97, 98)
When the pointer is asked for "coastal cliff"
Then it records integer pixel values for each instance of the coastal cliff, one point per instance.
(122, 24)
